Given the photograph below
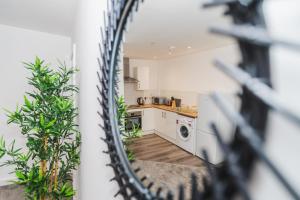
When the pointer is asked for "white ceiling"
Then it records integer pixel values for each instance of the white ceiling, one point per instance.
(160, 24)
(53, 16)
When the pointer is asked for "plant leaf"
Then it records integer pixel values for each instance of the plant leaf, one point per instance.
(20, 175)
(51, 123)
(27, 103)
(42, 120)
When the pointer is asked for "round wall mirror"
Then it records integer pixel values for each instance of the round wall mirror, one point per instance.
(179, 123)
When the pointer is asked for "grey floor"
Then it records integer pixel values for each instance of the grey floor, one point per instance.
(168, 176)
(11, 192)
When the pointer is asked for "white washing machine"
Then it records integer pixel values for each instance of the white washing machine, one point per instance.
(186, 133)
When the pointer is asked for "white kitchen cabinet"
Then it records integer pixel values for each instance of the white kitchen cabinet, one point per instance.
(142, 75)
(148, 123)
(208, 142)
(170, 124)
(165, 124)
(159, 120)
(209, 112)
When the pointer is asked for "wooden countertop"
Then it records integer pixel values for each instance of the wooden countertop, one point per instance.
(180, 111)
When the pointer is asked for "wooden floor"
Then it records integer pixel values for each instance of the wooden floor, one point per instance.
(154, 148)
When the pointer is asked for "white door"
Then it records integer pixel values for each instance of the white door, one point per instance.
(170, 124)
(148, 120)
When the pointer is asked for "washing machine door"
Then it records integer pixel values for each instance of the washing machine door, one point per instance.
(184, 132)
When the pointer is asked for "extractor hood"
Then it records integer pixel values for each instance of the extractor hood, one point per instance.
(126, 71)
(130, 80)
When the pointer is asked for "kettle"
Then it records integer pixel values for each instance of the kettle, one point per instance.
(140, 101)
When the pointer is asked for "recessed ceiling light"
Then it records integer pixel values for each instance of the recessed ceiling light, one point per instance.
(189, 47)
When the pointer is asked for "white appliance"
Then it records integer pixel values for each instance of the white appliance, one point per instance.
(208, 112)
(186, 133)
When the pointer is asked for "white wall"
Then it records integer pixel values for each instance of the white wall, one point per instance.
(196, 73)
(17, 46)
(282, 136)
(185, 76)
(94, 174)
(131, 94)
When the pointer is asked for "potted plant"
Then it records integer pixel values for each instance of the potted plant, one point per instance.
(47, 121)
(127, 135)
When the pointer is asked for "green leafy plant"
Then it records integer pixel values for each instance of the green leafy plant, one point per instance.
(128, 135)
(47, 120)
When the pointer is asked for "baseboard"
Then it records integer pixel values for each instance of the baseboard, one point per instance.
(148, 132)
(165, 137)
(8, 181)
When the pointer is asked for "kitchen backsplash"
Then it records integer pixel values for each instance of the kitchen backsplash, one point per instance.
(187, 98)
(131, 94)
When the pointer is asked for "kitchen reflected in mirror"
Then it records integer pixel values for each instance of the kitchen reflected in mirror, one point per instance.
(168, 76)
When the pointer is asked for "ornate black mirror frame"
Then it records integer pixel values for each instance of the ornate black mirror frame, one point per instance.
(257, 98)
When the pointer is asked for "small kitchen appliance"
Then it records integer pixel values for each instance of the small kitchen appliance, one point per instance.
(177, 102)
(158, 100)
(140, 101)
(168, 102)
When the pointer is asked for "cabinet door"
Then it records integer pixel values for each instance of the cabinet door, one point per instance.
(159, 120)
(209, 112)
(142, 75)
(170, 124)
(208, 142)
(148, 119)
(156, 120)
(161, 123)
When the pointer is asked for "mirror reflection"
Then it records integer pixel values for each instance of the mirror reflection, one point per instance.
(166, 82)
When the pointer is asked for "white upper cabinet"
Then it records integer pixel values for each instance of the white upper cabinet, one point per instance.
(142, 74)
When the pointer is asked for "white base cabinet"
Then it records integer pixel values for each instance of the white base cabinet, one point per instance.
(159, 121)
(170, 124)
(159, 125)
(208, 142)
(206, 139)
(148, 124)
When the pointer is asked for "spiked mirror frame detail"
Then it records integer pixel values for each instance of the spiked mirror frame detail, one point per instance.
(228, 180)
